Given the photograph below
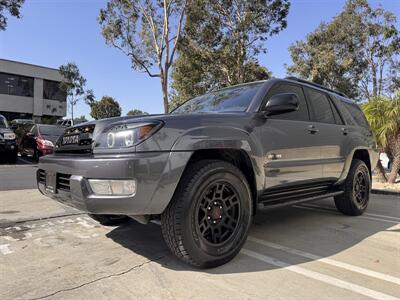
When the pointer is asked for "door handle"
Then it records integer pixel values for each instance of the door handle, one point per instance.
(345, 131)
(311, 129)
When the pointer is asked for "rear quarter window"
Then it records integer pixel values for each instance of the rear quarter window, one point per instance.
(353, 114)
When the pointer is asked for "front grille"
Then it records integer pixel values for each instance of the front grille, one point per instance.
(85, 140)
(63, 182)
(41, 176)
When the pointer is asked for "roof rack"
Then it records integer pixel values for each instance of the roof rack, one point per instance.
(316, 85)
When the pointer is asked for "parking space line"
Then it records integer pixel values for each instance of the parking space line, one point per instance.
(320, 277)
(365, 214)
(329, 261)
(336, 213)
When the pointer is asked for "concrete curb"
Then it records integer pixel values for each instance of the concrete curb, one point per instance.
(385, 192)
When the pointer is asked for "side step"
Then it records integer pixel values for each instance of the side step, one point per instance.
(270, 203)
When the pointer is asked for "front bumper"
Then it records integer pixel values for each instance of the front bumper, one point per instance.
(65, 179)
(8, 146)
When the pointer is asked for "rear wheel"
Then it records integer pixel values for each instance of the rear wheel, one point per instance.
(357, 187)
(207, 221)
(110, 220)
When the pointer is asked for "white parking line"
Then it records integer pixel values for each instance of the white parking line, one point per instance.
(329, 261)
(365, 214)
(320, 277)
(334, 212)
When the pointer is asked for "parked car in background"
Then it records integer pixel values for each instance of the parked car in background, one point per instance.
(40, 140)
(22, 122)
(8, 145)
(65, 123)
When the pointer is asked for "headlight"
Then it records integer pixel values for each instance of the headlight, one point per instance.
(9, 136)
(48, 143)
(125, 135)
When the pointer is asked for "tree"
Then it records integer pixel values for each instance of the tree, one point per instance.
(148, 32)
(221, 41)
(107, 107)
(13, 7)
(354, 53)
(136, 112)
(73, 84)
(383, 115)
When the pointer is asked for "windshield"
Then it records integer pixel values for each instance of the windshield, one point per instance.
(51, 130)
(3, 122)
(236, 98)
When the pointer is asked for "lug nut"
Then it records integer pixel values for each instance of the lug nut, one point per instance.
(220, 207)
(208, 218)
(214, 222)
(209, 208)
(215, 203)
(220, 217)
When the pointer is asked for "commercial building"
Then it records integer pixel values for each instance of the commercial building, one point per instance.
(30, 92)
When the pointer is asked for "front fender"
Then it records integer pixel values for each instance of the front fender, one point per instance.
(221, 137)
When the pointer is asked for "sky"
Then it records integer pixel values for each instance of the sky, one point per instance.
(54, 32)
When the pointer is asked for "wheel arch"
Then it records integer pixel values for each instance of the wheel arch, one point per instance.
(237, 157)
(363, 154)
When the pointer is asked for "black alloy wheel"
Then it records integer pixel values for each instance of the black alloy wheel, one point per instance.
(218, 213)
(207, 221)
(356, 190)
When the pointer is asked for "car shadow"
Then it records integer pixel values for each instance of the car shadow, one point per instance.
(320, 232)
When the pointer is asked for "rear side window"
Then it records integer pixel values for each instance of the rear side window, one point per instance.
(299, 115)
(320, 106)
(357, 114)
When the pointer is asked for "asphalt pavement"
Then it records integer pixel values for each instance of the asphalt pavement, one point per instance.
(18, 176)
(307, 251)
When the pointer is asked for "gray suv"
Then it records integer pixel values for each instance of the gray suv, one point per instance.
(208, 167)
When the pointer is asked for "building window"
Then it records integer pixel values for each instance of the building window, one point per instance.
(16, 85)
(52, 91)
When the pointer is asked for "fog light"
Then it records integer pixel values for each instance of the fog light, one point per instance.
(113, 187)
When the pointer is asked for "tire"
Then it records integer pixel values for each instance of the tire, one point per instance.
(110, 220)
(208, 219)
(357, 188)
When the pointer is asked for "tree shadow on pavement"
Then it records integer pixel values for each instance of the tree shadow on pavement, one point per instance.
(323, 233)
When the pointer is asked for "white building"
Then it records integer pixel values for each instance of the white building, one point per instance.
(30, 91)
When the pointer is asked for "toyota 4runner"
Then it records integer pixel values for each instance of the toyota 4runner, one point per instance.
(208, 167)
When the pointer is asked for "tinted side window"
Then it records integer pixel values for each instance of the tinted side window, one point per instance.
(320, 106)
(299, 115)
(338, 119)
(357, 114)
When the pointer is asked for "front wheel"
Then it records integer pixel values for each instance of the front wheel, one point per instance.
(357, 188)
(207, 221)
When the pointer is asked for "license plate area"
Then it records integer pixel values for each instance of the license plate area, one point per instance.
(70, 140)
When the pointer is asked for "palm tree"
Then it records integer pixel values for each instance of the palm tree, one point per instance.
(383, 115)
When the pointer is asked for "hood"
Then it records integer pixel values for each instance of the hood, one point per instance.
(5, 130)
(51, 138)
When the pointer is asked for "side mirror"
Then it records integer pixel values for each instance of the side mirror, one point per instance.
(281, 103)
